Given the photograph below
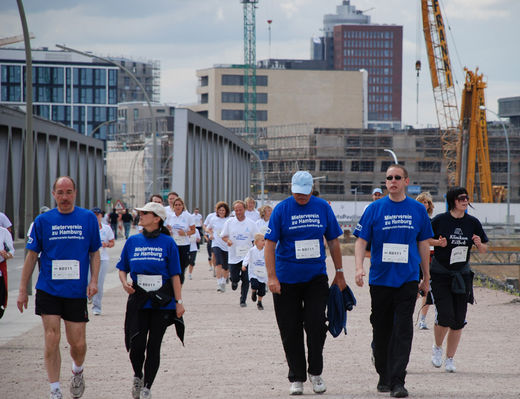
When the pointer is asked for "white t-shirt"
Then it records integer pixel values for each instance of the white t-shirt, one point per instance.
(242, 234)
(105, 234)
(256, 262)
(216, 224)
(181, 222)
(261, 225)
(254, 215)
(6, 241)
(4, 221)
(197, 218)
(193, 241)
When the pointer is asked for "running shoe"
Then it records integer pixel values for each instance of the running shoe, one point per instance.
(77, 385)
(296, 388)
(56, 394)
(253, 296)
(223, 287)
(96, 312)
(422, 325)
(145, 394)
(189, 276)
(259, 305)
(219, 287)
(436, 356)
(318, 385)
(234, 286)
(450, 365)
(243, 304)
(137, 385)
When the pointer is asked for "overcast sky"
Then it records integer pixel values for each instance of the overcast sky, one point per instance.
(186, 35)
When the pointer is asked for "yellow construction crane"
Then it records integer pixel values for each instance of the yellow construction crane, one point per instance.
(464, 140)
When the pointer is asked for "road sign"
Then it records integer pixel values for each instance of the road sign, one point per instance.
(119, 205)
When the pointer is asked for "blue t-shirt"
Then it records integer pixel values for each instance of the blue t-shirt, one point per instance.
(386, 222)
(298, 231)
(64, 239)
(150, 257)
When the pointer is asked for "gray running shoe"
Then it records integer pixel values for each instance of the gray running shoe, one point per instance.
(77, 385)
(145, 394)
(56, 394)
(137, 385)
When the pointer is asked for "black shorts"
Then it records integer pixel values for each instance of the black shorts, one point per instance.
(70, 309)
(258, 286)
(191, 258)
(221, 257)
(451, 308)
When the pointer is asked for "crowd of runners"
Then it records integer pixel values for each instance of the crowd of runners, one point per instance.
(255, 251)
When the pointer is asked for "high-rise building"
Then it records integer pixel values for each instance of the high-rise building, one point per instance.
(75, 90)
(78, 91)
(148, 73)
(352, 42)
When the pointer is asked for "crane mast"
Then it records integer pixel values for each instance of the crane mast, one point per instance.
(442, 81)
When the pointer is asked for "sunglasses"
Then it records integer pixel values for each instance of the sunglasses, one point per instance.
(396, 177)
(462, 198)
(144, 212)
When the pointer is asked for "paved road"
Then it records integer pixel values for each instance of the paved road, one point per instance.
(234, 352)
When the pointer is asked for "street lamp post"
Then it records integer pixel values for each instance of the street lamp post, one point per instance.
(393, 155)
(147, 97)
(508, 197)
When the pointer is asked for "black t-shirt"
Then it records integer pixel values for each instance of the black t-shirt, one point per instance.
(458, 233)
(127, 218)
(113, 217)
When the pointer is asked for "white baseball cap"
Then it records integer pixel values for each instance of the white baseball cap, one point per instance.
(302, 182)
(377, 190)
(154, 207)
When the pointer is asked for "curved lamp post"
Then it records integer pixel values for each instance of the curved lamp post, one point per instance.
(152, 116)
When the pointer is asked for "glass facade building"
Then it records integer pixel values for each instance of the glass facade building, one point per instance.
(71, 89)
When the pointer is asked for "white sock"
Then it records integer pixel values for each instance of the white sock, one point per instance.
(55, 386)
(76, 369)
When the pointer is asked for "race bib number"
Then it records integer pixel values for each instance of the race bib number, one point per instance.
(179, 240)
(242, 250)
(307, 249)
(458, 254)
(149, 282)
(65, 269)
(395, 253)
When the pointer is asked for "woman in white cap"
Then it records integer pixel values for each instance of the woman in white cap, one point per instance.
(152, 260)
(297, 277)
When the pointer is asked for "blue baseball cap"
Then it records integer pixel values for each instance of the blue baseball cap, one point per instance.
(96, 210)
(302, 182)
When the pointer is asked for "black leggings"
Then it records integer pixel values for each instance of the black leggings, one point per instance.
(152, 326)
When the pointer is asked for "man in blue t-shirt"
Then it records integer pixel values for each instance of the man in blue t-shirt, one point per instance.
(398, 228)
(297, 277)
(67, 239)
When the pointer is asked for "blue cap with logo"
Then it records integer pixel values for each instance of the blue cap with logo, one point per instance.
(96, 210)
(302, 182)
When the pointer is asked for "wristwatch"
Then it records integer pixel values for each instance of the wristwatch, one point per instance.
(179, 301)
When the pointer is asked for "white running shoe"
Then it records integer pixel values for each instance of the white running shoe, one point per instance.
(56, 394)
(137, 385)
(145, 394)
(296, 388)
(436, 356)
(450, 365)
(318, 385)
(77, 385)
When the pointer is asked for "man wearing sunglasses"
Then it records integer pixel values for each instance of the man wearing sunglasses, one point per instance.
(398, 228)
